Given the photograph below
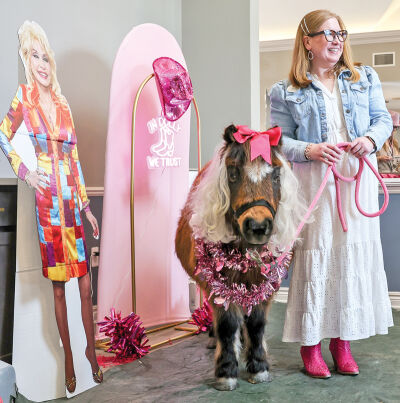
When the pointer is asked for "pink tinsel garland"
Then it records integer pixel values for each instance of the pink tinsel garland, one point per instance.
(213, 257)
(127, 336)
(202, 318)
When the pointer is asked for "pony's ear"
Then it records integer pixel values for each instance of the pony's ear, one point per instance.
(228, 134)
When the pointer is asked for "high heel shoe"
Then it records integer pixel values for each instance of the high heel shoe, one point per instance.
(70, 384)
(98, 375)
(314, 364)
(342, 357)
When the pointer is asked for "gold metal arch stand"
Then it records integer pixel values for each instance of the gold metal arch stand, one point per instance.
(132, 208)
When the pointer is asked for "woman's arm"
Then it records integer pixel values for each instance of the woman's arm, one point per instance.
(80, 185)
(381, 124)
(294, 149)
(281, 116)
(8, 128)
(77, 174)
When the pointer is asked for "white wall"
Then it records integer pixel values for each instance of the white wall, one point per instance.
(85, 36)
(220, 44)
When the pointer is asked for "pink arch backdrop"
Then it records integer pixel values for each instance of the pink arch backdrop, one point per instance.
(161, 186)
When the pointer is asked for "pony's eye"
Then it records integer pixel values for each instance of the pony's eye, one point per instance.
(276, 175)
(233, 174)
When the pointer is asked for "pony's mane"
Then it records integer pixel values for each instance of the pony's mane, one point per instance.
(210, 200)
(291, 208)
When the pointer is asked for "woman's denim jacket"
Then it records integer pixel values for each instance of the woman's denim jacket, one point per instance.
(302, 116)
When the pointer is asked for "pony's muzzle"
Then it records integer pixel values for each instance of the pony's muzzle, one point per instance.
(257, 232)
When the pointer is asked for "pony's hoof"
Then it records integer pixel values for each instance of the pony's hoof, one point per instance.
(260, 377)
(225, 384)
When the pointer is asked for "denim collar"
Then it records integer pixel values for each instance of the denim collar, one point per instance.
(291, 88)
(345, 72)
(342, 72)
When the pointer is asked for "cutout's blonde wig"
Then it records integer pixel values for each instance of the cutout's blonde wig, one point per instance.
(27, 34)
(312, 22)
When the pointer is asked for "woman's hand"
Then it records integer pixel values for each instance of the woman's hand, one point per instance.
(38, 180)
(361, 147)
(325, 152)
(384, 158)
(92, 219)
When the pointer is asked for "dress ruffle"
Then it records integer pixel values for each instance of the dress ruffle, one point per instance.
(350, 304)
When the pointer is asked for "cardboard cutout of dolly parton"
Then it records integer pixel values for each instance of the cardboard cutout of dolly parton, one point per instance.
(37, 136)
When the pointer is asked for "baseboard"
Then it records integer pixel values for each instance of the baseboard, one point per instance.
(282, 296)
(395, 299)
(95, 191)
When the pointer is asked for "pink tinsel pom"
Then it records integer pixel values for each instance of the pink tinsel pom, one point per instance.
(202, 318)
(127, 336)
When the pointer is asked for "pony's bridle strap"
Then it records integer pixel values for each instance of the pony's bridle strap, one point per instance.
(260, 202)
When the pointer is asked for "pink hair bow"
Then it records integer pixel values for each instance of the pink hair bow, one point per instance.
(260, 142)
(174, 87)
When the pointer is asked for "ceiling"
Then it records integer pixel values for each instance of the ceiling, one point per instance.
(279, 19)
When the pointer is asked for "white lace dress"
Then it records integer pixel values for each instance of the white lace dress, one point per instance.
(338, 286)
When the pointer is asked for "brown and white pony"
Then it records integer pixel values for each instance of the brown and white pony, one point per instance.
(245, 204)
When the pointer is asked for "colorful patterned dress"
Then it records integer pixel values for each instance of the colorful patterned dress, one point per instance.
(60, 228)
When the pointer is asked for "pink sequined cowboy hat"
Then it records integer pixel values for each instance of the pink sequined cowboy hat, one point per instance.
(174, 87)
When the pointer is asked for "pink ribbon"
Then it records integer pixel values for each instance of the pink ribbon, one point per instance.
(260, 142)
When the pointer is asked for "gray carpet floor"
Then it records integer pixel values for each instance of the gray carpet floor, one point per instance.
(184, 373)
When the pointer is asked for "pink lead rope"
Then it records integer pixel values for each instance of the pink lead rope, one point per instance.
(338, 177)
(357, 178)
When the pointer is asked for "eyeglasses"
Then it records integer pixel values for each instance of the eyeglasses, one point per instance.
(330, 34)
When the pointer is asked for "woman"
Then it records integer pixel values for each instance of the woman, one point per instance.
(338, 288)
(40, 111)
(389, 155)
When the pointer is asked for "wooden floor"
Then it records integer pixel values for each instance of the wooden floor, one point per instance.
(171, 333)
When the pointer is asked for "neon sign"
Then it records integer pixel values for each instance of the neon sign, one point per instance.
(163, 151)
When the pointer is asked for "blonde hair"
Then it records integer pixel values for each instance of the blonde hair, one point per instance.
(210, 202)
(311, 22)
(27, 34)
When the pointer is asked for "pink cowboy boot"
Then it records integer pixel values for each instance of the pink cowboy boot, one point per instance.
(342, 358)
(314, 364)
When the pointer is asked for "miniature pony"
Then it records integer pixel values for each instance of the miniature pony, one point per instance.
(239, 206)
